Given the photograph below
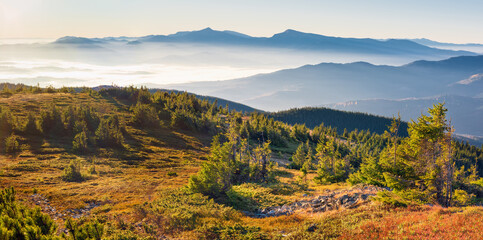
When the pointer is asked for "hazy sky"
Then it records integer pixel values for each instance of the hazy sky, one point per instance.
(442, 20)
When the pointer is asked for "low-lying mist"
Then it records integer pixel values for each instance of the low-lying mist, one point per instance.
(157, 64)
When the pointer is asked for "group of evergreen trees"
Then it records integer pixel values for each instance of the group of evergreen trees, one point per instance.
(428, 165)
(233, 160)
(82, 124)
(421, 166)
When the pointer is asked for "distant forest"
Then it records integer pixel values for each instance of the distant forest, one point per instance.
(341, 120)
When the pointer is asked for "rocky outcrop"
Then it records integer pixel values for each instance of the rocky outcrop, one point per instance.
(46, 207)
(332, 200)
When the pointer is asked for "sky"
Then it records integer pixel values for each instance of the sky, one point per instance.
(441, 20)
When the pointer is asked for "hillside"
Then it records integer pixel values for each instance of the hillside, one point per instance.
(219, 101)
(125, 163)
(341, 120)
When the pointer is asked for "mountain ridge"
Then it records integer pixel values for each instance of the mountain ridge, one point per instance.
(292, 39)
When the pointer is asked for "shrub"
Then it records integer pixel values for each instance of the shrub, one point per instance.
(108, 133)
(92, 170)
(72, 172)
(390, 199)
(461, 197)
(182, 120)
(6, 119)
(50, 121)
(251, 197)
(11, 144)
(18, 222)
(85, 230)
(237, 231)
(172, 174)
(30, 127)
(80, 142)
(177, 210)
(144, 115)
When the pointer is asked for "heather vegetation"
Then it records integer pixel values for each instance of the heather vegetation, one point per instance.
(133, 164)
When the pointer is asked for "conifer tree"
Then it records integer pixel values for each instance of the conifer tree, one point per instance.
(331, 168)
(298, 158)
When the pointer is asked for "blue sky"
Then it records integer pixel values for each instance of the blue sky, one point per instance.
(442, 20)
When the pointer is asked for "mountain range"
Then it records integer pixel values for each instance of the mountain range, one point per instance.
(326, 83)
(406, 86)
(291, 39)
(332, 82)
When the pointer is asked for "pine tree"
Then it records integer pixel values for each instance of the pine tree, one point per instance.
(331, 168)
(298, 158)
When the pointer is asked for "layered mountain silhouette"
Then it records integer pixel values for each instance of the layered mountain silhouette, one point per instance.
(330, 82)
(325, 83)
(288, 39)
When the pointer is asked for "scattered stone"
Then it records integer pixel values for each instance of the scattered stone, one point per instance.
(45, 206)
(332, 200)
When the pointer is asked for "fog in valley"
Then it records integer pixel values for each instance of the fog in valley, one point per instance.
(124, 63)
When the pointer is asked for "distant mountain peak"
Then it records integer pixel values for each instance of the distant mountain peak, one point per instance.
(207, 29)
(75, 40)
(290, 32)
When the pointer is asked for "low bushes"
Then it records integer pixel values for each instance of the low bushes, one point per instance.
(178, 210)
(251, 197)
(18, 222)
(72, 172)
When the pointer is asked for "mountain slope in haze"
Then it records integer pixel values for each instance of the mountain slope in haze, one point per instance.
(288, 39)
(326, 83)
(466, 113)
(472, 47)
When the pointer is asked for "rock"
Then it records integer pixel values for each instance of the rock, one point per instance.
(316, 201)
(305, 205)
(319, 209)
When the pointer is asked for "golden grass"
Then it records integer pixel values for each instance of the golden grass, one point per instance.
(117, 182)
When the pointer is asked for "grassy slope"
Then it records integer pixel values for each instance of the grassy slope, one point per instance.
(138, 174)
(122, 180)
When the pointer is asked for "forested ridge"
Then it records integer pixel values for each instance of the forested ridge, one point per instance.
(314, 116)
(205, 168)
